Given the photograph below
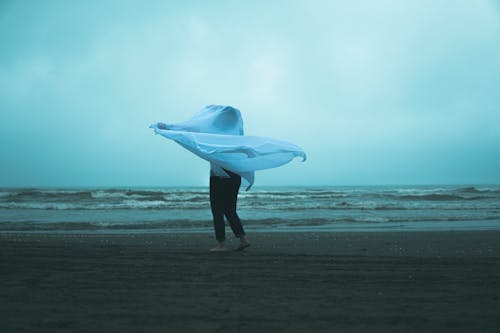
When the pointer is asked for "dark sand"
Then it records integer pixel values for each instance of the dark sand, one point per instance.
(295, 282)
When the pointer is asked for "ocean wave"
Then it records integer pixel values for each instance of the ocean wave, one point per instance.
(124, 205)
(473, 189)
(190, 225)
(203, 204)
(440, 197)
(75, 226)
(369, 198)
(169, 224)
(43, 195)
(95, 193)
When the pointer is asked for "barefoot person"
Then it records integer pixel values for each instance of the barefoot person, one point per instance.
(224, 188)
(216, 135)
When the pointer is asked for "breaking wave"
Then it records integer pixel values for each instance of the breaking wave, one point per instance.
(189, 208)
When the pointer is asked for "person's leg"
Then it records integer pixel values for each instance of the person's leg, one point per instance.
(231, 189)
(231, 197)
(217, 207)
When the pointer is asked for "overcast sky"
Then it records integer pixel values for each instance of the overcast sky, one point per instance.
(376, 92)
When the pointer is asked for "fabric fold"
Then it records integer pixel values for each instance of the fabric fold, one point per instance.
(216, 135)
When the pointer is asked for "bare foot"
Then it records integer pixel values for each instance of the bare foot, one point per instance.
(244, 243)
(220, 247)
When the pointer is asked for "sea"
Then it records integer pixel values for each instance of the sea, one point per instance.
(262, 209)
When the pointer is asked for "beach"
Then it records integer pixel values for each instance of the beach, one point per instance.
(440, 281)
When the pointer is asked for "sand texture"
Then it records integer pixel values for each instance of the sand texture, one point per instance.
(285, 282)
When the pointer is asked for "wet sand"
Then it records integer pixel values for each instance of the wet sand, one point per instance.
(293, 282)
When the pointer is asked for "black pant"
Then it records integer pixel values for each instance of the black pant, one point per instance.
(223, 197)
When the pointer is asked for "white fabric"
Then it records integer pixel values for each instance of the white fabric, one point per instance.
(216, 170)
(216, 135)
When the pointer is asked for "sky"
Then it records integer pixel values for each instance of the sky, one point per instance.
(376, 92)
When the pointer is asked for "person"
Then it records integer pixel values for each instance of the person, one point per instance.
(216, 135)
(224, 184)
(224, 188)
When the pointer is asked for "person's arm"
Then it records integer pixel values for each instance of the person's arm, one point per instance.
(177, 127)
(162, 126)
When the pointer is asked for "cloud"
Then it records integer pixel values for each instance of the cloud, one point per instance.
(369, 89)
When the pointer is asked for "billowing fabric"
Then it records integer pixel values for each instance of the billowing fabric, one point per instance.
(216, 135)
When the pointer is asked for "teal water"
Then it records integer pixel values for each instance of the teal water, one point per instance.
(357, 208)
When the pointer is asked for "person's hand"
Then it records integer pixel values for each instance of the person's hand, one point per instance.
(162, 126)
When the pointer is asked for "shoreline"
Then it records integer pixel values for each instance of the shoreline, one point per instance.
(297, 226)
(443, 281)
